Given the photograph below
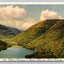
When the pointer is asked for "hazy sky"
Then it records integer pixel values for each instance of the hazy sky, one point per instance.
(23, 16)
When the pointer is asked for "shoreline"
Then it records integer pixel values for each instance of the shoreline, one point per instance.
(16, 46)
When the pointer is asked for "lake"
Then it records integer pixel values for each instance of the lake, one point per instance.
(15, 52)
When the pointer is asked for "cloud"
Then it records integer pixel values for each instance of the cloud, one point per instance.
(12, 12)
(30, 22)
(15, 17)
(46, 14)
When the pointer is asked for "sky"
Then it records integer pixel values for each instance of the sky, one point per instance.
(22, 16)
(31, 0)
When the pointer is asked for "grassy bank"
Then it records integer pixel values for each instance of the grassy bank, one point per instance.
(16, 46)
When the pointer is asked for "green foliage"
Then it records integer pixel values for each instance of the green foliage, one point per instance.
(33, 32)
(3, 45)
(52, 40)
(47, 35)
(7, 32)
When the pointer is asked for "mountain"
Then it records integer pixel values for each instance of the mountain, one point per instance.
(51, 41)
(8, 32)
(33, 32)
(15, 30)
(46, 37)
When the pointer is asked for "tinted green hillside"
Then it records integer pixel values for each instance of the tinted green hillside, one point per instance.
(51, 41)
(46, 37)
(33, 32)
(15, 30)
(7, 32)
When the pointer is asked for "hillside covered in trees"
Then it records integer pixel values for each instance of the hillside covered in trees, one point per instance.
(3, 45)
(46, 37)
(33, 32)
(50, 42)
(8, 32)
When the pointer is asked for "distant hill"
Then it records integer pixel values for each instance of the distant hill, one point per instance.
(33, 32)
(15, 30)
(8, 32)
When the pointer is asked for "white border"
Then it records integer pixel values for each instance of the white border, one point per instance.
(32, 60)
(34, 3)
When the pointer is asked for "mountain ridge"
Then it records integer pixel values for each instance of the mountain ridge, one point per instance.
(52, 41)
(47, 38)
(7, 32)
(34, 31)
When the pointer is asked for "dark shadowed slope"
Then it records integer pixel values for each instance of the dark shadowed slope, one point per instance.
(7, 32)
(3, 45)
(15, 30)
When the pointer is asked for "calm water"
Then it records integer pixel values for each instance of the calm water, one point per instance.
(15, 52)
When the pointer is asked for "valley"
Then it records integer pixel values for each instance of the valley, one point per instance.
(45, 37)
